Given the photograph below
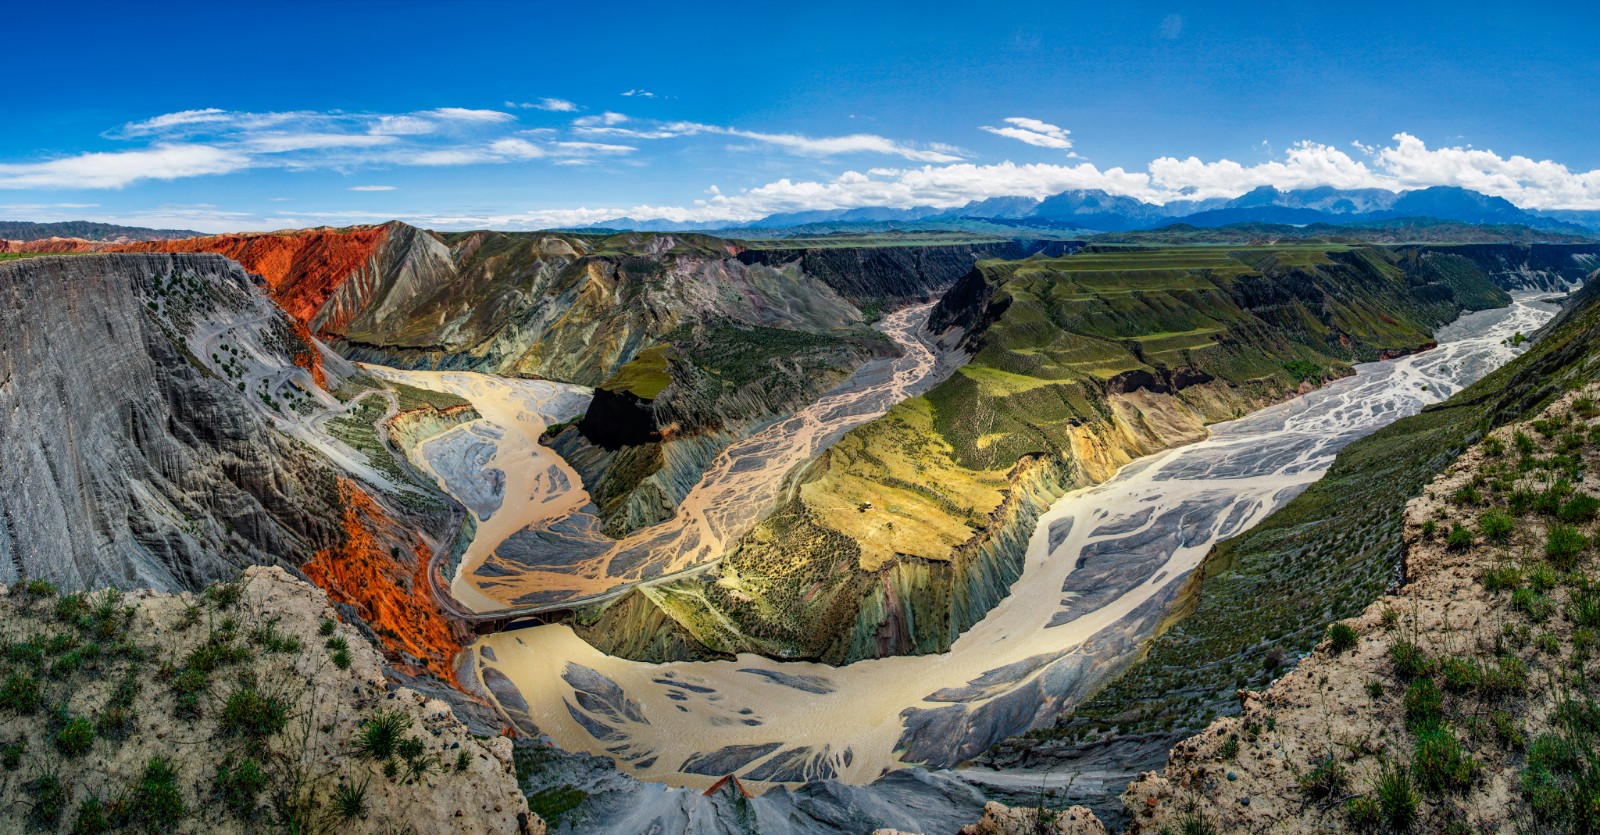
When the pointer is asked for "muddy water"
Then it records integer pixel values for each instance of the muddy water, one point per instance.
(1103, 558)
(539, 546)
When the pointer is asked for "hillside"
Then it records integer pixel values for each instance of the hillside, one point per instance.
(1462, 702)
(1343, 537)
(911, 527)
(215, 448)
(246, 708)
(22, 230)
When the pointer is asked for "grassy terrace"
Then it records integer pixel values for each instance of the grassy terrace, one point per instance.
(843, 241)
(894, 499)
(1267, 594)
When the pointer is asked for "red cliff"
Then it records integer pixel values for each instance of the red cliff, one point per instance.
(303, 268)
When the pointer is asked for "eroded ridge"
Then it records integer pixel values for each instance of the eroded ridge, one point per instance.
(1103, 565)
(538, 543)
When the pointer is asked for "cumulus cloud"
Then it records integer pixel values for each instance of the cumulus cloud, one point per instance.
(465, 114)
(605, 119)
(1034, 132)
(1406, 164)
(553, 105)
(818, 146)
(117, 169)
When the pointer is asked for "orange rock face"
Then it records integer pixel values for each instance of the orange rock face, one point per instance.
(303, 267)
(50, 245)
(381, 570)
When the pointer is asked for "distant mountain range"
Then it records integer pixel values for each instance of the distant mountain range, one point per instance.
(1097, 211)
(22, 230)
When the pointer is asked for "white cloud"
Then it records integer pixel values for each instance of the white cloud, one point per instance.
(606, 125)
(607, 118)
(464, 114)
(372, 188)
(553, 105)
(1034, 132)
(278, 143)
(402, 126)
(641, 93)
(594, 147)
(117, 169)
(1171, 27)
(858, 143)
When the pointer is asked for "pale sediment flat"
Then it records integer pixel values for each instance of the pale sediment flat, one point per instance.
(1102, 568)
(535, 486)
(543, 547)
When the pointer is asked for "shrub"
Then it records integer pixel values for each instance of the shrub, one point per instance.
(1363, 814)
(1507, 678)
(239, 785)
(1423, 704)
(11, 755)
(20, 694)
(1495, 526)
(1374, 688)
(1460, 675)
(271, 640)
(464, 760)
(1466, 494)
(225, 595)
(76, 737)
(1397, 797)
(1409, 660)
(380, 736)
(71, 606)
(1494, 447)
(1549, 502)
(1580, 508)
(350, 801)
(92, 818)
(1563, 545)
(1500, 578)
(1440, 763)
(49, 796)
(40, 589)
(1460, 538)
(1342, 637)
(1584, 608)
(1542, 578)
(1325, 781)
(1536, 606)
(155, 801)
(254, 715)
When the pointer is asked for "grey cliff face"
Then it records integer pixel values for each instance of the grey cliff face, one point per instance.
(128, 463)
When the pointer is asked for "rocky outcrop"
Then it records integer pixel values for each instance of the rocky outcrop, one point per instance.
(129, 463)
(224, 711)
(898, 271)
(303, 268)
(1521, 266)
(1434, 709)
(1080, 365)
(136, 463)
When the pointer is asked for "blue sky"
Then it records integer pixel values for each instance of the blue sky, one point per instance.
(519, 115)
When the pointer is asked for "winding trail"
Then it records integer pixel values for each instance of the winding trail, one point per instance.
(542, 547)
(1102, 567)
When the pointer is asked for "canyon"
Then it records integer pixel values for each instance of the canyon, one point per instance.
(829, 519)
